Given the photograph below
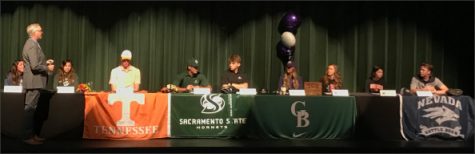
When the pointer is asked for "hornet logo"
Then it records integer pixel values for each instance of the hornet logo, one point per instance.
(212, 103)
(442, 114)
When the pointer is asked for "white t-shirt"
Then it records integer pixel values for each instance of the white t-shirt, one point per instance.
(122, 78)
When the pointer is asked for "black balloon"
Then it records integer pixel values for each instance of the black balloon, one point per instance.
(290, 22)
(284, 53)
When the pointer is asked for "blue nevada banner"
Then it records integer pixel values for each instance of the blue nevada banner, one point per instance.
(437, 117)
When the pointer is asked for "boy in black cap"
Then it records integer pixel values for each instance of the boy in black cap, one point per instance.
(186, 81)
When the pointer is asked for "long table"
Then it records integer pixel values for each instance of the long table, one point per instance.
(262, 116)
(311, 117)
(63, 114)
(214, 115)
(378, 117)
(303, 117)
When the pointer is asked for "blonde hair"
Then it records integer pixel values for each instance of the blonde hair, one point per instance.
(337, 77)
(30, 29)
(295, 80)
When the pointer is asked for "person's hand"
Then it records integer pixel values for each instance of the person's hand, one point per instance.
(142, 91)
(375, 87)
(429, 88)
(164, 90)
(226, 86)
(189, 87)
(433, 90)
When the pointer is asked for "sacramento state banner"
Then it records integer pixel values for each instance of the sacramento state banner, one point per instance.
(136, 116)
(211, 115)
(437, 117)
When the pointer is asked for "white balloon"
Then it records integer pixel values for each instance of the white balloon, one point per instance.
(288, 39)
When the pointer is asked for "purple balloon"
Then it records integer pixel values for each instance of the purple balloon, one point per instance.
(290, 22)
(292, 19)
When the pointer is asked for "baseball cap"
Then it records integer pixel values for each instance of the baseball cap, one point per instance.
(126, 54)
(193, 62)
(290, 64)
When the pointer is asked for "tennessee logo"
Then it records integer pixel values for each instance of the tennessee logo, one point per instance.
(126, 100)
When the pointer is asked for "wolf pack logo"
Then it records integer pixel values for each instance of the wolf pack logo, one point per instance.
(440, 115)
(212, 103)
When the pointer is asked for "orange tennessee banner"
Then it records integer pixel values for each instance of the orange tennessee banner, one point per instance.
(136, 116)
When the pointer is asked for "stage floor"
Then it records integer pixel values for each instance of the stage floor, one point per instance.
(236, 146)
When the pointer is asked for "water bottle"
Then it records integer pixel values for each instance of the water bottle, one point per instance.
(90, 84)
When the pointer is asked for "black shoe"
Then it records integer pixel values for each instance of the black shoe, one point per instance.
(32, 141)
(37, 138)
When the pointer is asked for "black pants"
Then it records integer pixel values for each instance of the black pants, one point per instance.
(36, 106)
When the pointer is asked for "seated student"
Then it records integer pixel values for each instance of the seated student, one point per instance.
(66, 76)
(331, 80)
(424, 81)
(233, 78)
(15, 75)
(186, 81)
(125, 75)
(291, 79)
(375, 82)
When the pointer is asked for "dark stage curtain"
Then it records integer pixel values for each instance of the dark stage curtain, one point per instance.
(162, 35)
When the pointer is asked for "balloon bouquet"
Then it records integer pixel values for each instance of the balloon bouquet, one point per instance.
(286, 47)
(288, 28)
